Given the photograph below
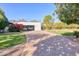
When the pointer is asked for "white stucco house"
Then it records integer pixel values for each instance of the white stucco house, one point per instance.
(30, 26)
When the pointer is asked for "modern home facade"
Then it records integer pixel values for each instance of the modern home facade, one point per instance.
(30, 26)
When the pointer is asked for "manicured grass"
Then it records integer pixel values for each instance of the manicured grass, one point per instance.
(9, 40)
(65, 32)
(68, 33)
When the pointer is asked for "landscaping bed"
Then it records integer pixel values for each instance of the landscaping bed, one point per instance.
(9, 40)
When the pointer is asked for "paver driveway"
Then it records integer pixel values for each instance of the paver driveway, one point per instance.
(56, 46)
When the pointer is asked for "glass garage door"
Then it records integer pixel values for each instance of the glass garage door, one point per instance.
(29, 27)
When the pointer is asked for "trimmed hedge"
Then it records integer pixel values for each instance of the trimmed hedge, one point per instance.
(11, 40)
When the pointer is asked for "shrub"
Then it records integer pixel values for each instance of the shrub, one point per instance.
(59, 25)
(15, 27)
(76, 33)
(19, 26)
(3, 24)
(71, 26)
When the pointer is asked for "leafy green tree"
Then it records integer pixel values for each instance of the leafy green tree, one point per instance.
(47, 23)
(68, 13)
(3, 20)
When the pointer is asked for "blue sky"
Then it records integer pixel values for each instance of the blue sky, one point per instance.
(28, 11)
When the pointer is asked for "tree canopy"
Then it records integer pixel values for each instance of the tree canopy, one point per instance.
(47, 22)
(3, 20)
(68, 13)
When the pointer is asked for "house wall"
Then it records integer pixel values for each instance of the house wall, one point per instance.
(37, 25)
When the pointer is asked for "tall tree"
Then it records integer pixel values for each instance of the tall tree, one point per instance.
(68, 13)
(3, 20)
(48, 22)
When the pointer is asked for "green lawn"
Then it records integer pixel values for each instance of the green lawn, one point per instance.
(9, 40)
(66, 32)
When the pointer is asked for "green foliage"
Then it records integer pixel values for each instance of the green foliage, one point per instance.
(59, 25)
(76, 33)
(72, 26)
(47, 23)
(3, 20)
(68, 12)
